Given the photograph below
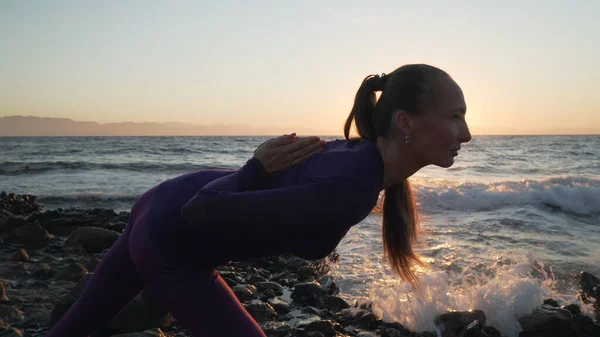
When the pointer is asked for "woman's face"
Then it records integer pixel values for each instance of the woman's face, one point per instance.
(437, 134)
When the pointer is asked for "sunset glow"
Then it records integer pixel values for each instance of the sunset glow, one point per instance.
(525, 68)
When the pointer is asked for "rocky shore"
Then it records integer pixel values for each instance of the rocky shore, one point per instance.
(46, 258)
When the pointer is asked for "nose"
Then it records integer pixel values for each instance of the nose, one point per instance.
(465, 134)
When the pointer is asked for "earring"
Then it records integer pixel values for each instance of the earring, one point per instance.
(407, 139)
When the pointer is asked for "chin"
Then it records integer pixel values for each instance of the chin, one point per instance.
(445, 163)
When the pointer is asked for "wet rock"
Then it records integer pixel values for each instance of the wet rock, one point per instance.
(257, 275)
(393, 330)
(272, 286)
(93, 239)
(261, 311)
(588, 282)
(44, 272)
(118, 226)
(574, 309)
(280, 306)
(313, 311)
(328, 283)
(11, 332)
(3, 297)
(306, 273)
(314, 334)
(592, 330)
(65, 303)
(590, 291)
(551, 302)
(73, 272)
(582, 319)
(473, 329)
(369, 321)
(244, 292)
(491, 331)
(335, 303)
(10, 315)
(364, 304)
(351, 314)
(11, 222)
(276, 329)
(19, 204)
(547, 319)
(365, 334)
(310, 293)
(91, 264)
(32, 236)
(457, 321)
(20, 255)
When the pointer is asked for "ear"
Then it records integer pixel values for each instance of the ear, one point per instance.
(402, 123)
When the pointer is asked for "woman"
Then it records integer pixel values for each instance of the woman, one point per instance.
(181, 229)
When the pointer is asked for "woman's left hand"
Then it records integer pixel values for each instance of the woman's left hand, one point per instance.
(283, 152)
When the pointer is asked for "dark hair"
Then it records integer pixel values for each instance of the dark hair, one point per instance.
(406, 88)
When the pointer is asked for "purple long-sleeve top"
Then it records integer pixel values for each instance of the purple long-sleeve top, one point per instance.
(208, 218)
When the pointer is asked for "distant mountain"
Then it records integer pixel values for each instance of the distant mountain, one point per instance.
(31, 126)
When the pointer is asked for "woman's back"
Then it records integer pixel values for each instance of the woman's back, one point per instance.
(351, 166)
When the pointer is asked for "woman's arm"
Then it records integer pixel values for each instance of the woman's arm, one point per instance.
(276, 154)
(324, 201)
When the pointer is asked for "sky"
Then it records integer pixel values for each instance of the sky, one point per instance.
(525, 67)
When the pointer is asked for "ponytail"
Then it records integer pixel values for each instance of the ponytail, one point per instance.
(364, 107)
(400, 229)
(405, 89)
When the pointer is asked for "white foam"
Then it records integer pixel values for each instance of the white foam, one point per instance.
(571, 194)
(511, 293)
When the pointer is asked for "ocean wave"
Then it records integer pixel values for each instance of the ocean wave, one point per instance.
(569, 194)
(12, 168)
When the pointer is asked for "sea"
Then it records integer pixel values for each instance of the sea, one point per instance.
(513, 221)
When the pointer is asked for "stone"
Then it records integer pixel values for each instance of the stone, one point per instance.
(91, 264)
(552, 302)
(73, 272)
(548, 319)
(274, 287)
(11, 315)
(44, 272)
(12, 332)
(490, 331)
(335, 303)
(328, 283)
(93, 239)
(588, 282)
(261, 311)
(574, 309)
(244, 292)
(280, 306)
(325, 327)
(3, 297)
(456, 321)
(20, 255)
(310, 293)
(276, 329)
(11, 222)
(32, 236)
(369, 321)
(365, 334)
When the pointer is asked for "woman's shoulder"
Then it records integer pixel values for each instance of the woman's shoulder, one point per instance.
(356, 160)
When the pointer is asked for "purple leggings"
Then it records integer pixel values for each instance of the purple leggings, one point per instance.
(200, 300)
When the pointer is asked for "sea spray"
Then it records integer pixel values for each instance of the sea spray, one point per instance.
(510, 292)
